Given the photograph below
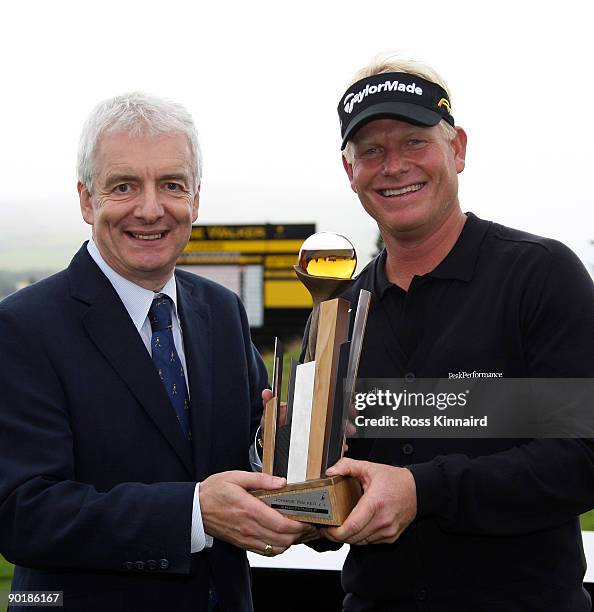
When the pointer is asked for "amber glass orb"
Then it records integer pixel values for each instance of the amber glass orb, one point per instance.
(328, 254)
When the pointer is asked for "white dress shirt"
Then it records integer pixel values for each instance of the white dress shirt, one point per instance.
(137, 300)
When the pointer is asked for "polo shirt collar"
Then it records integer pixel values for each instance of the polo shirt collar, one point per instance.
(379, 281)
(458, 264)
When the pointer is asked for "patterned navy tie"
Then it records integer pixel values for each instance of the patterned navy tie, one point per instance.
(171, 372)
(167, 361)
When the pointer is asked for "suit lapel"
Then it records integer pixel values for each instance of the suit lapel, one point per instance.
(110, 328)
(195, 319)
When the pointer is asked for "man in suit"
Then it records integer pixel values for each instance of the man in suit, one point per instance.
(124, 385)
(456, 525)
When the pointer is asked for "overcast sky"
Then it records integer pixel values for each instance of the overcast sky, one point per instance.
(263, 80)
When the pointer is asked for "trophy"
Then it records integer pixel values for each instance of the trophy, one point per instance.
(311, 437)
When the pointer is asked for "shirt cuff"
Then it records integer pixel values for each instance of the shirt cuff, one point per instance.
(200, 540)
(255, 460)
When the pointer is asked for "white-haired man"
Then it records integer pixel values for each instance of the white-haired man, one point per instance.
(458, 524)
(124, 384)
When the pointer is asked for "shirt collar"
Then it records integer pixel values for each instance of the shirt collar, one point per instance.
(136, 299)
(458, 264)
(380, 283)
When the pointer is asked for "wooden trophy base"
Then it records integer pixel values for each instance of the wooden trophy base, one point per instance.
(324, 501)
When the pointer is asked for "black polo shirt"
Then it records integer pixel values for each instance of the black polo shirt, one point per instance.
(496, 527)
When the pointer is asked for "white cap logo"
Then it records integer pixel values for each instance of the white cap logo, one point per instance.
(354, 98)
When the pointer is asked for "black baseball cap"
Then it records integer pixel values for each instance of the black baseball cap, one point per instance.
(397, 95)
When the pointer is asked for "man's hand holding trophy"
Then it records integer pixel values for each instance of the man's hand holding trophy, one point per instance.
(309, 436)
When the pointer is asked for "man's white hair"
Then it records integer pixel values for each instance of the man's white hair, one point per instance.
(137, 114)
(391, 62)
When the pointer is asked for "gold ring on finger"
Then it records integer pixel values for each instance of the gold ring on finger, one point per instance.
(268, 551)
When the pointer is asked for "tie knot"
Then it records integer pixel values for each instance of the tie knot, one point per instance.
(160, 313)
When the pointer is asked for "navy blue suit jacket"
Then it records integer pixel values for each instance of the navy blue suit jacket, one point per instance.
(96, 478)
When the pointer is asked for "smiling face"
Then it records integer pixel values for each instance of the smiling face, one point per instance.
(143, 204)
(406, 176)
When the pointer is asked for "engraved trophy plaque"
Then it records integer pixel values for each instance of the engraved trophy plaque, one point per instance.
(312, 436)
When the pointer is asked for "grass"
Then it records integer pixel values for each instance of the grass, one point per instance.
(587, 521)
(5, 569)
(5, 577)
(291, 351)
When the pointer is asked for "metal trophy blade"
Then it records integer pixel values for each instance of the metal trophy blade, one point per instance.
(272, 411)
(347, 380)
(321, 390)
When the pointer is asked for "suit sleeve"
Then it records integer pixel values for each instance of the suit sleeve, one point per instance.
(544, 482)
(257, 374)
(47, 518)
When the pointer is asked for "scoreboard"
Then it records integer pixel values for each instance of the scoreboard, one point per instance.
(256, 262)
